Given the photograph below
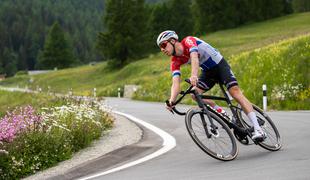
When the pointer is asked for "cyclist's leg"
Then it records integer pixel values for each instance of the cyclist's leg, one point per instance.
(248, 109)
(208, 79)
(227, 77)
(236, 93)
(210, 102)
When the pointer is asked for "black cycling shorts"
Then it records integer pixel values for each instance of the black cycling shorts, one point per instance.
(221, 73)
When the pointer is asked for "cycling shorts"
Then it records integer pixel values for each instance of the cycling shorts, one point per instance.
(221, 73)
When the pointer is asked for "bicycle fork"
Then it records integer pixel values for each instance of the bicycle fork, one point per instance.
(204, 123)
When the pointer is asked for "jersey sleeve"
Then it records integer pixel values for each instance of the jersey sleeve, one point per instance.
(175, 67)
(191, 43)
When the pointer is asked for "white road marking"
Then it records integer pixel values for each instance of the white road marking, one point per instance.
(168, 144)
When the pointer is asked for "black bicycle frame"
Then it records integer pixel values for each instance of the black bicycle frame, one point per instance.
(243, 131)
(201, 104)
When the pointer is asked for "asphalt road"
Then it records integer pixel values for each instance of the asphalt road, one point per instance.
(187, 161)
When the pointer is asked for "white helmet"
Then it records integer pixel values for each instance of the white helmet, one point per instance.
(165, 36)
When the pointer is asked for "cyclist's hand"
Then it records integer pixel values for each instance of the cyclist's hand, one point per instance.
(194, 80)
(169, 105)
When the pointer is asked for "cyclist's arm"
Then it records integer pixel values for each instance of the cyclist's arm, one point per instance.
(195, 68)
(175, 88)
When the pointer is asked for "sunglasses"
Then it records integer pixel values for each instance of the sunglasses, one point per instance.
(164, 45)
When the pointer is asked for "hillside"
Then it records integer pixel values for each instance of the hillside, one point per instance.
(285, 69)
(239, 45)
(25, 24)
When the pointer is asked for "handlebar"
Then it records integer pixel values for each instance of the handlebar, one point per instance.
(174, 110)
(183, 93)
(191, 90)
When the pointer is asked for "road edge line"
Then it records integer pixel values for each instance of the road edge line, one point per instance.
(169, 143)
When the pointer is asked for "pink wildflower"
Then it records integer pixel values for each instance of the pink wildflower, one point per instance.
(20, 120)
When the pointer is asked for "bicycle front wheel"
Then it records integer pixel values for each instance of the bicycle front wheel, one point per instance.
(221, 145)
(273, 140)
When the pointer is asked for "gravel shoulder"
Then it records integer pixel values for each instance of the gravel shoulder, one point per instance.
(122, 134)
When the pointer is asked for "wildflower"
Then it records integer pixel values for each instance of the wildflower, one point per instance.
(17, 121)
(2, 151)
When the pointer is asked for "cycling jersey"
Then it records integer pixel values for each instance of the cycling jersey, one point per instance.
(214, 67)
(208, 56)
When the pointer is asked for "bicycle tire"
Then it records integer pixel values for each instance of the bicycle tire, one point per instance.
(273, 140)
(204, 142)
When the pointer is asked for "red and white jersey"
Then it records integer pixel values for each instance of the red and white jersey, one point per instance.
(208, 56)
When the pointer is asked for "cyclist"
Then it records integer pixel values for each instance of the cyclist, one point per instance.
(194, 51)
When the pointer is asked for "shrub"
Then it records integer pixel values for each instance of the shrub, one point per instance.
(33, 141)
(20, 73)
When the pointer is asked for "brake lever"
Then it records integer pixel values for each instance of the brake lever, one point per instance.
(168, 104)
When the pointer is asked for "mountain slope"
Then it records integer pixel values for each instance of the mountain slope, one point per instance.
(153, 73)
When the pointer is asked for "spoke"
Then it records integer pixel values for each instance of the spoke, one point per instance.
(268, 126)
(225, 142)
(220, 148)
(199, 129)
(271, 134)
(225, 139)
(220, 144)
(272, 141)
(272, 137)
(200, 126)
(223, 149)
(215, 146)
(200, 133)
(202, 130)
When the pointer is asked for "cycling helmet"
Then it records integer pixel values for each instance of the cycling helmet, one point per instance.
(165, 36)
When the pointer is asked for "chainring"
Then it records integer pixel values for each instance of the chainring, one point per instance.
(243, 139)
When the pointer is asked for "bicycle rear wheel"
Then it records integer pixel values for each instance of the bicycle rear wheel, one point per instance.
(221, 145)
(273, 140)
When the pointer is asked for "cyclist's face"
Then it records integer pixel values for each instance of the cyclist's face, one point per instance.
(166, 48)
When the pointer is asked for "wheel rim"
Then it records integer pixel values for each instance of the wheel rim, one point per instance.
(273, 138)
(272, 141)
(219, 145)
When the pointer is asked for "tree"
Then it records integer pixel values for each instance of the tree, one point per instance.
(125, 35)
(272, 8)
(288, 7)
(203, 14)
(170, 15)
(8, 62)
(180, 16)
(24, 27)
(158, 21)
(301, 5)
(57, 52)
(212, 15)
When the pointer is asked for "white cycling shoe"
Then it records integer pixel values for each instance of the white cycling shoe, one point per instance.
(259, 134)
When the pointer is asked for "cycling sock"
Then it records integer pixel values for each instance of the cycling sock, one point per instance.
(253, 118)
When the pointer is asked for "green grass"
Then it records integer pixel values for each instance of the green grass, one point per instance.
(10, 100)
(249, 37)
(285, 69)
(153, 73)
(83, 79)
